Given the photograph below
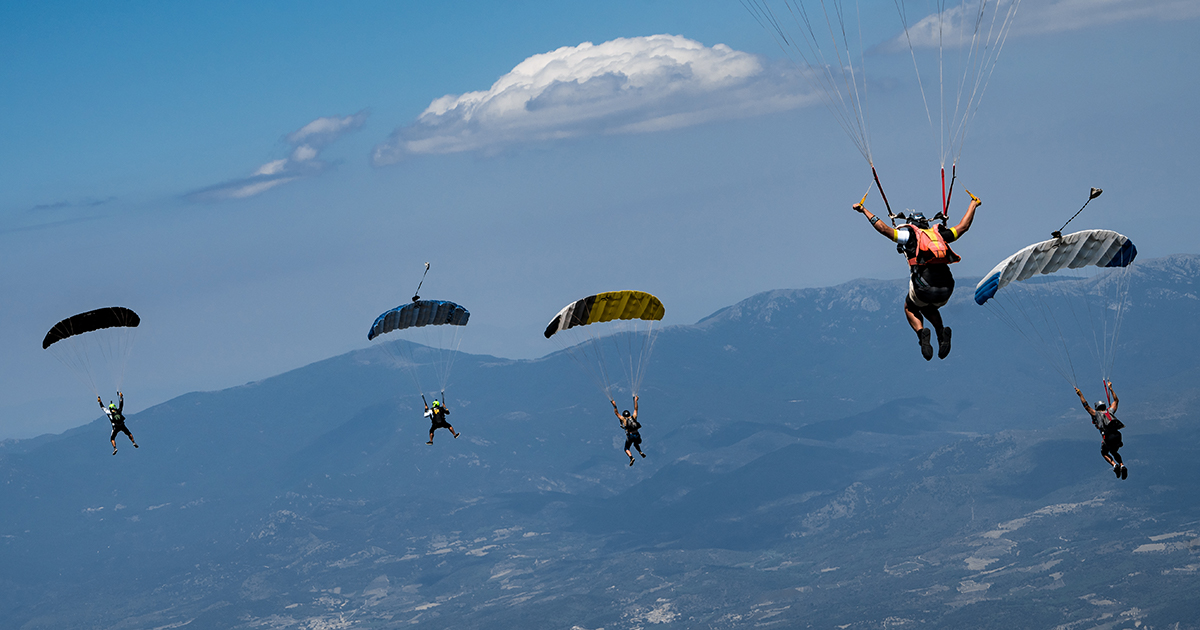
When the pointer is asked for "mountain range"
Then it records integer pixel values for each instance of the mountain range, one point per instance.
(806, 468)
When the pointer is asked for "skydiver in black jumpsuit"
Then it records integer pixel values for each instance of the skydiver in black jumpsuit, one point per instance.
(437, 419)
(117, 420)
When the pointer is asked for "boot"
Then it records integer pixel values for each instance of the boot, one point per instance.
(926, 348)
(943, 342)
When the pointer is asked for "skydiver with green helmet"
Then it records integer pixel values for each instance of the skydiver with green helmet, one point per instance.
(631, 425)
(437, 419)
(929, 257)
(1110, 429)
(113, 411)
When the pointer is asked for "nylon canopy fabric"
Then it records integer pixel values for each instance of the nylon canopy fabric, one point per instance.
(418, 314)
(605, 307)
(108, 317)
(1100, 248)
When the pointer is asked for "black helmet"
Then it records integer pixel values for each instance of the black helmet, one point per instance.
(626, 414)
(919, 220)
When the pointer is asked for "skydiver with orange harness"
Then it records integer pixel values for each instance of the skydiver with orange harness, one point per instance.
(1110, 429)
(929, 257)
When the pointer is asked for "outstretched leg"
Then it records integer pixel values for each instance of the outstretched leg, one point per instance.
(113, 438)
(452, 431)
(430, 437)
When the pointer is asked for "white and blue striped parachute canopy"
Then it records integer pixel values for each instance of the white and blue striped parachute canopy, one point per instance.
(1100, 248)
(418, 314)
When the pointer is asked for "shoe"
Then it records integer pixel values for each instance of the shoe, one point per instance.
(430, 442)
(1117, 470)
(1124, 472)
(631, 461)
(642, 454)
(456, 435)
(944, 342)
(135, 445)
(926, 349)
(114, 451)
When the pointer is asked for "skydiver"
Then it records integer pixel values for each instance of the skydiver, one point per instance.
(1110, 430)
(630, 424)
(117, 420)
(437, 420)
(930, 281)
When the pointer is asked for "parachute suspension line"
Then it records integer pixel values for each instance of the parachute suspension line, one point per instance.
(1124, 279)
(984, 64)
(1030, 309)
(843, 104)
(858, 103)
(643, 357)
(983, 53)
(599, 343)
(900, 8)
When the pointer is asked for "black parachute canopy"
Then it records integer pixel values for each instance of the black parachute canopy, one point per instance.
(108, 317)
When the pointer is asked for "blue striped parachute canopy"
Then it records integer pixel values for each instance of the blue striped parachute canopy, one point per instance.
(1099, 248)
(418, 314)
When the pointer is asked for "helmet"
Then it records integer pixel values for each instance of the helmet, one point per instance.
(626, 414)
(437, 404)
(112, 405)
(1101, 405)
(919, 220)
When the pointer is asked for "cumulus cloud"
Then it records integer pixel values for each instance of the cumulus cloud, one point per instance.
(627, 85)
(306, 144)
(1035, 18)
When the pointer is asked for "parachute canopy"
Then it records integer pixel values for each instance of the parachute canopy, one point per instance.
(108, 317)
(418, 314)
(1067, 297)
(1099, 248)
(606, 307)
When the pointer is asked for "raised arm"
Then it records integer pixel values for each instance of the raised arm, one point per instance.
(635, 401)
(876, 222)
(101, 401)
(121, 403)
(965, 224)
(1113, 408)
(617, 411)
(1085, 402)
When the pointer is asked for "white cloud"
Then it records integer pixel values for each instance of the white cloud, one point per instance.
(1034, 18)
(627, 85)
(306, 142)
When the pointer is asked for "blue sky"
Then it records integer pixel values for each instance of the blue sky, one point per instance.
(259, 180)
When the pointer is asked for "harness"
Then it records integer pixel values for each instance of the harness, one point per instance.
(931, 249)
(1107, 424)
